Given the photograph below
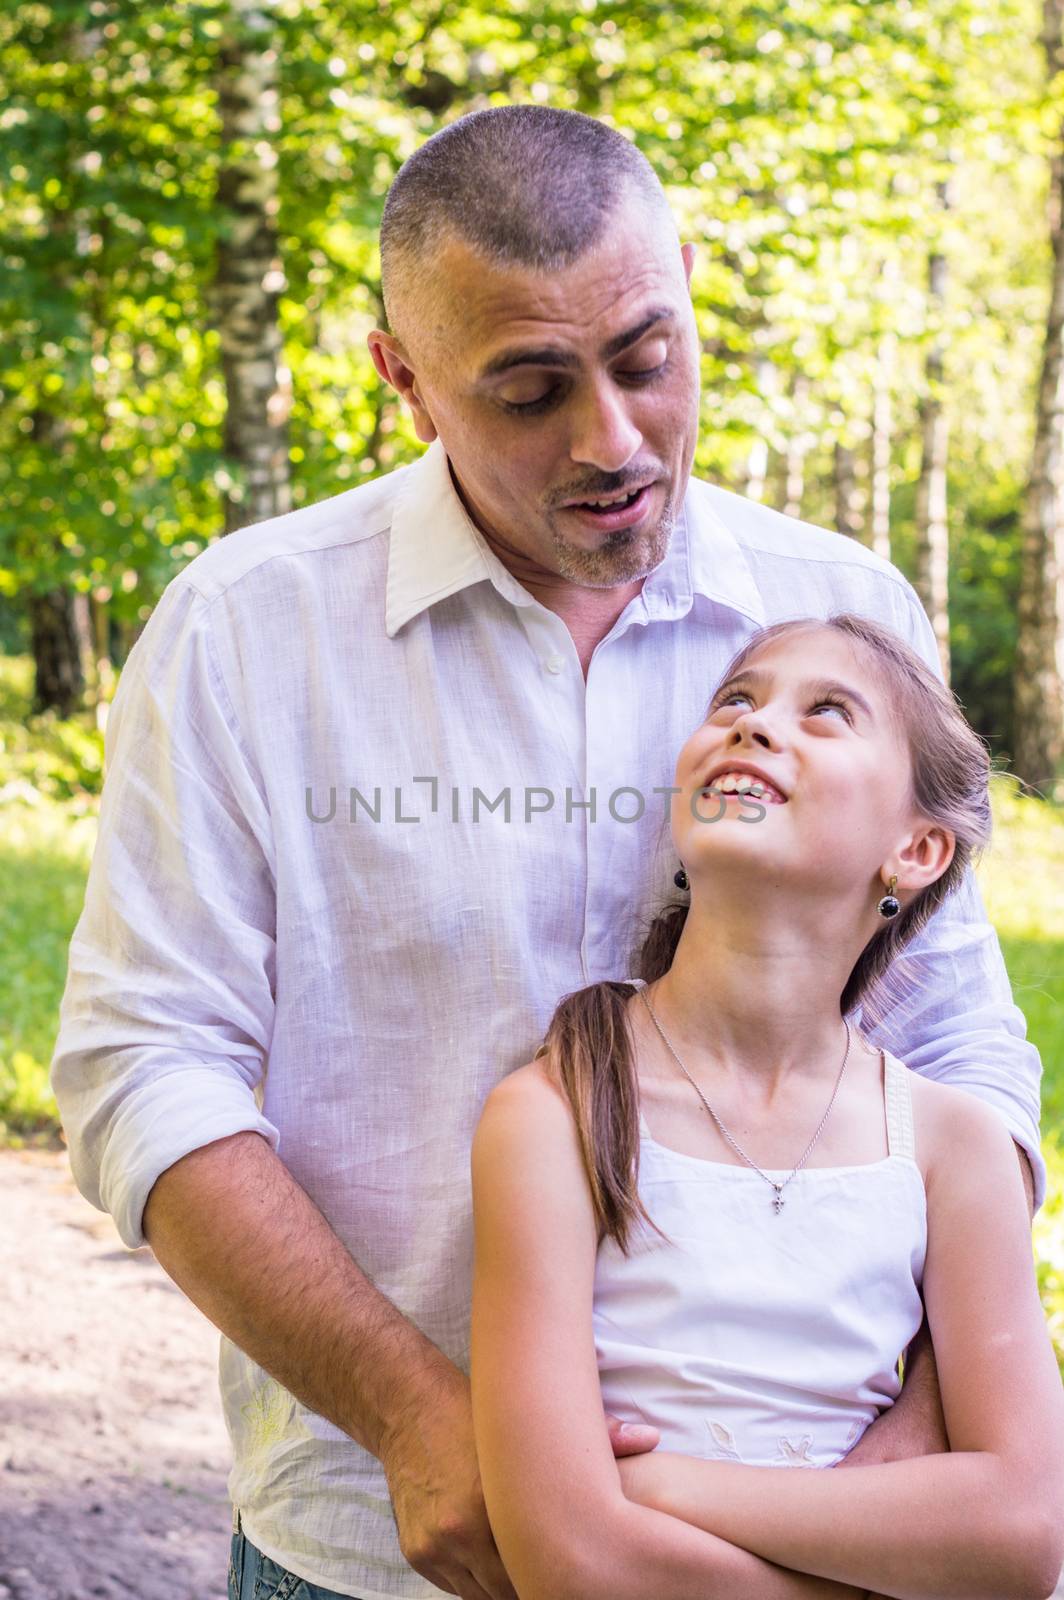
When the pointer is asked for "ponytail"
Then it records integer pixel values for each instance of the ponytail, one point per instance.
(589, 1057)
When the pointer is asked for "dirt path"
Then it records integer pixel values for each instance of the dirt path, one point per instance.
(113, 1454)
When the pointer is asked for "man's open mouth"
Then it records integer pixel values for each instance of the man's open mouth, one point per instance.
(614, 508)
(609, 505)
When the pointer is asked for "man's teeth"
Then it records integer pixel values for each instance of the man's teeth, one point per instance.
(602, 505)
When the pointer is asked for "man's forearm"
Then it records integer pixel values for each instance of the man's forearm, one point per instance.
(248, 1246)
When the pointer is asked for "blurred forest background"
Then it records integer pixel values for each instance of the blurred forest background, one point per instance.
(189, 203)
(191, 195)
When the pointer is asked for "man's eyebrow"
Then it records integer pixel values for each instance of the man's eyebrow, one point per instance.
(812, 687)
(622, 340)
(551, 356)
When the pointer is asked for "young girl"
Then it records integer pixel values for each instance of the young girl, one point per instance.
(710, 1206)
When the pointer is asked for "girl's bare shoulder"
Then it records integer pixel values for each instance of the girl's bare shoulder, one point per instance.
(530, 1095)
(948, 1121)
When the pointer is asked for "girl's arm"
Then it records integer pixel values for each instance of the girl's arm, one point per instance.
(984, 1522)
(562, 1524)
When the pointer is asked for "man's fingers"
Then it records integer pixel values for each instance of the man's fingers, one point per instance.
(467, 1587)
(489, 1582)
(631, 1438)
(496, 1579)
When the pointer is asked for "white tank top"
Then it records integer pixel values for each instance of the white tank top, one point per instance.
(764, 1337)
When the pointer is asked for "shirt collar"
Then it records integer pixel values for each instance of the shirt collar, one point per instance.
(435, 550)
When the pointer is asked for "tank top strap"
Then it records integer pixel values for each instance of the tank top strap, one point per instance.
(901, 1140)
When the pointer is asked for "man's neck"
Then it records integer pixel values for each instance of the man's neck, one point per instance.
(589, 614)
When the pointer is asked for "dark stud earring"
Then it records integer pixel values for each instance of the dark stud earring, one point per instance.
(680, 879)
(890, 905)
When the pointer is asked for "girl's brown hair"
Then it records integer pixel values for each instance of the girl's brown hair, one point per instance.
(587, 1048)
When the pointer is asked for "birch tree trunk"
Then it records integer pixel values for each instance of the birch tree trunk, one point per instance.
(797, 447)
(250, 276)
(1038, 697)
(882, 428)
(932, 524)
(756, 470)
(849, 516)
(59, 680)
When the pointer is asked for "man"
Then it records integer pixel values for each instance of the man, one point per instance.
(386, 778)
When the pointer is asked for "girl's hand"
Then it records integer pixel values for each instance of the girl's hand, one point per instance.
(631, 1438)
(645, 1478)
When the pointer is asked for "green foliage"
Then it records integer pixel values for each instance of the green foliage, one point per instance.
(986, 579)
(801, 148)
(44, 755)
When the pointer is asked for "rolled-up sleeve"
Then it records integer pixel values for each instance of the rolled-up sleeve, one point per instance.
(946, 1006)
(167, 1014)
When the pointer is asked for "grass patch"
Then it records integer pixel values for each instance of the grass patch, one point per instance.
(1022, 882)
(44, 858)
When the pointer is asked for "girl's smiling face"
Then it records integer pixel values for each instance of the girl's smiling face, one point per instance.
(812, 714)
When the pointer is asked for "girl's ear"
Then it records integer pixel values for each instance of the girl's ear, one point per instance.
(921, 858)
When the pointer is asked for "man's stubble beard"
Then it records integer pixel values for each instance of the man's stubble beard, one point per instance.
(619, 559)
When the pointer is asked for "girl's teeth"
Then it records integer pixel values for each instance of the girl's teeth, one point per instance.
(740, 783)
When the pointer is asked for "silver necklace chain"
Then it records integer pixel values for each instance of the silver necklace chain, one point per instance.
(777, 1198)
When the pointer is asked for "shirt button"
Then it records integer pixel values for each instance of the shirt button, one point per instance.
(554, 663)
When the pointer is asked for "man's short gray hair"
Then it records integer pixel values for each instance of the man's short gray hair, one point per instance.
(528, 185)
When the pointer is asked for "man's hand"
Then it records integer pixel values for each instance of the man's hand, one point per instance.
(429, 1460)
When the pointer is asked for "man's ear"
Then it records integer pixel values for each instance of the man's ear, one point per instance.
(393, 364)
(688, 253)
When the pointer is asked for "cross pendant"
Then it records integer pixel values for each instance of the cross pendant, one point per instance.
(777, 1199)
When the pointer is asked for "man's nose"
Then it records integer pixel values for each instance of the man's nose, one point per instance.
(604, 435)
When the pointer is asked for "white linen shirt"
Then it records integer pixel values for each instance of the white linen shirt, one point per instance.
(294, 924)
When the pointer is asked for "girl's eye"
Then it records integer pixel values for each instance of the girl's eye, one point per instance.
(829, 700)
(839, 705)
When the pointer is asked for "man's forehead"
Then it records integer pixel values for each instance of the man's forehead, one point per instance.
(602, 294)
